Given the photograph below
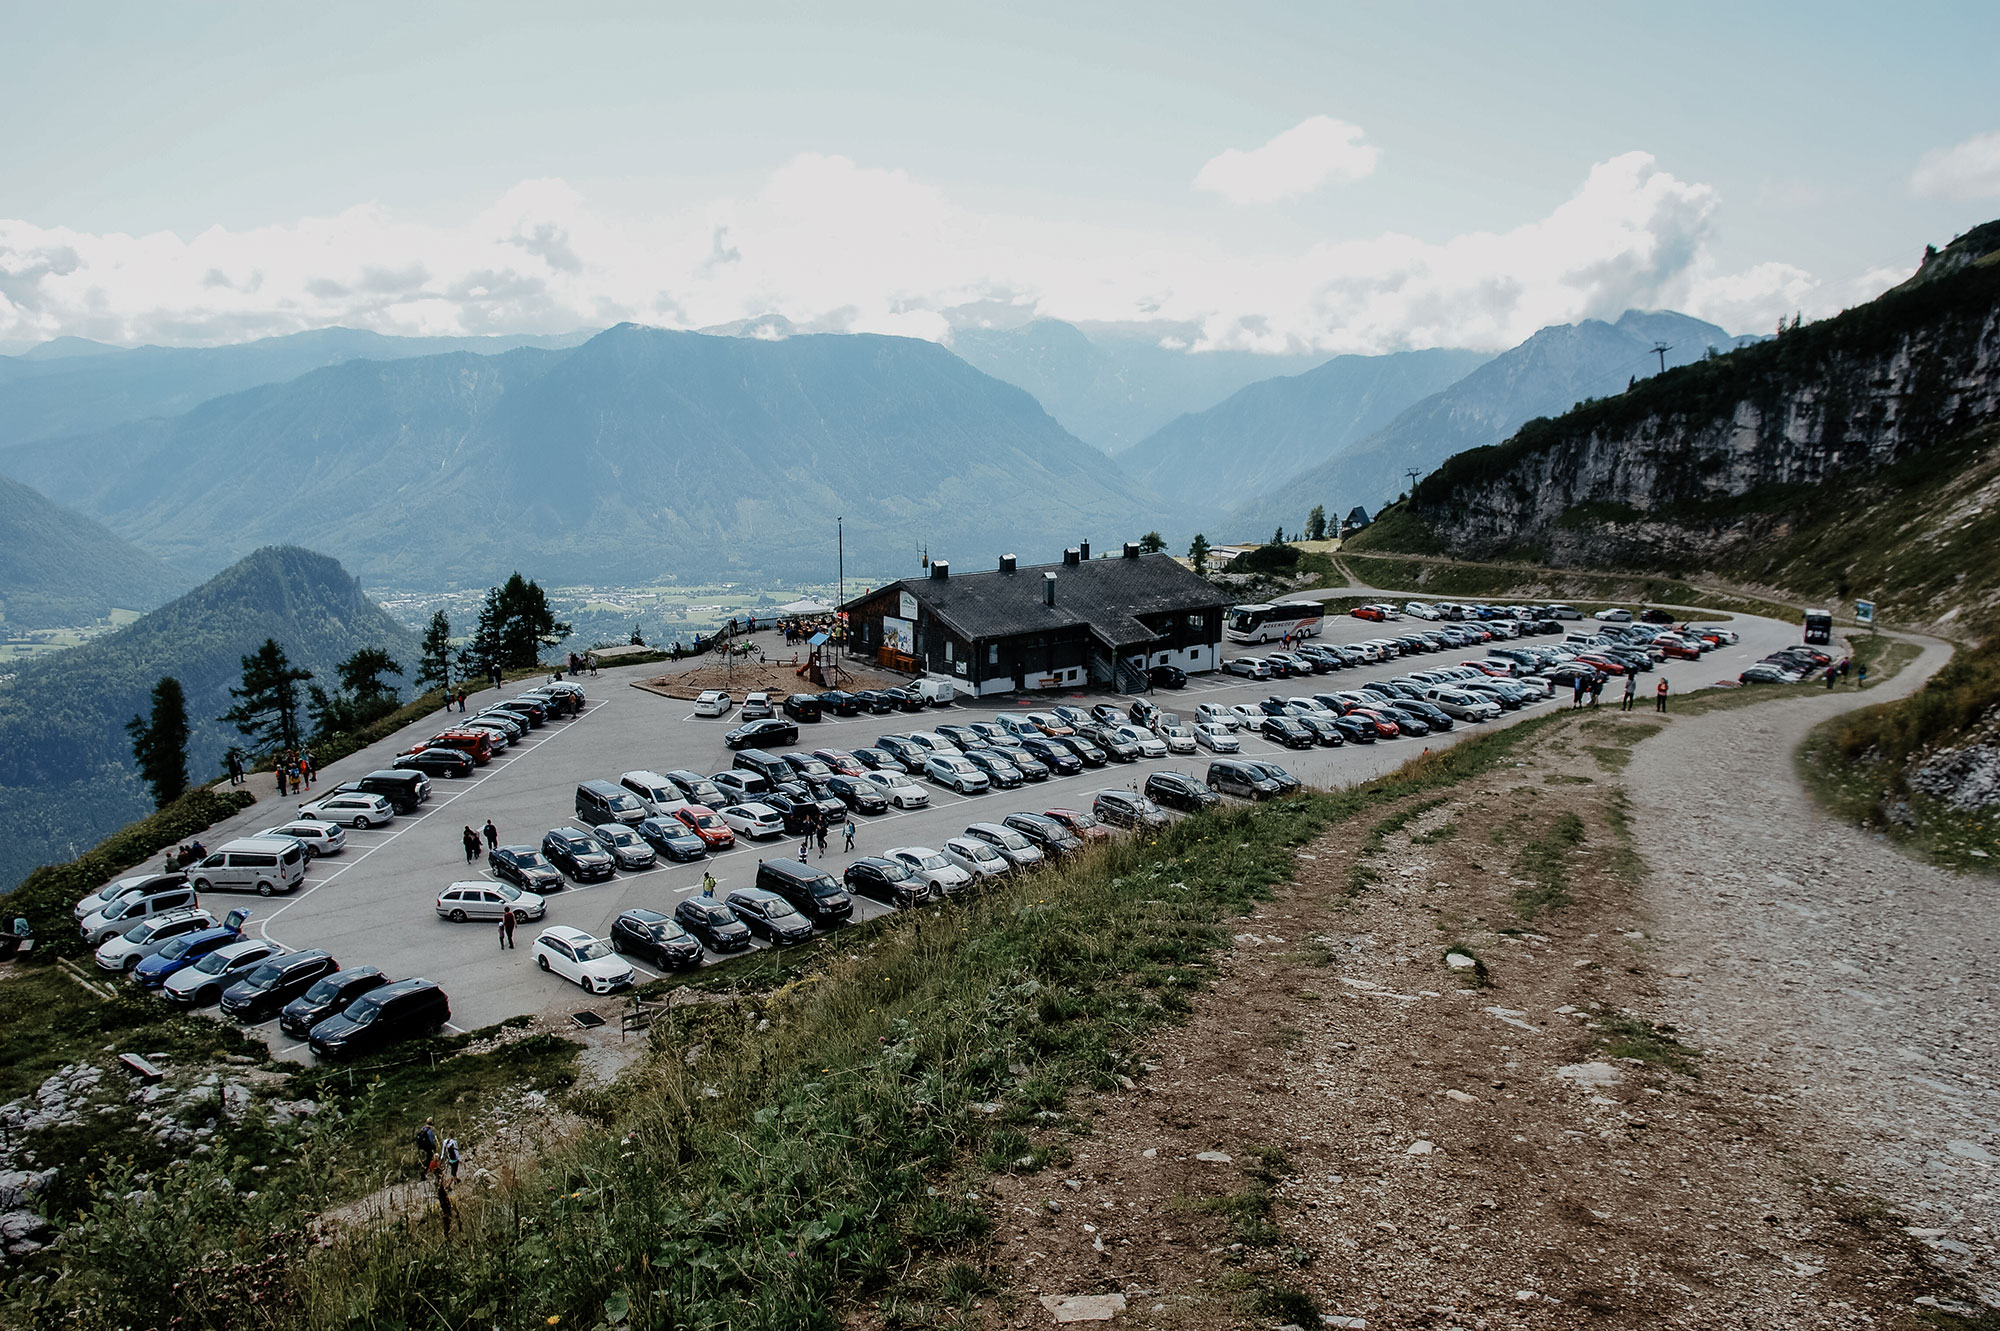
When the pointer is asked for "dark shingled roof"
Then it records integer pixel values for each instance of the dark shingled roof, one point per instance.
(1104, 594)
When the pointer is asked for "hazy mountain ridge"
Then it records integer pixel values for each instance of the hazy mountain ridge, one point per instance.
(72, 385)
(1554, 369)
(638, 453)
(59, 568)
(66, 778)
(1264, 434)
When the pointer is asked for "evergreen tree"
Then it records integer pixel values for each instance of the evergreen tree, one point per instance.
(481, 654)
(637, 639)
(267, 706)
(364, 698)
(525, 624)
(1316, 523)
(1278, 536)
(1198, 554)
(434, 666)
(159, 746)
(1152, 543)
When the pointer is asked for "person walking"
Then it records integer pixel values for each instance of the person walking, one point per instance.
(848, 833)
(804, 846)
(822, 837)
(492, 836)
(1660, 696)
(1861, 676)
(1831, 676)
(500, 927)
(427, 1145)
(471, 840)
(309, 767)
(451, 1157)
(1596, 690)
(507, 921)
(1577, 701)
(1631, 691)
(707, 883)
(284, 783)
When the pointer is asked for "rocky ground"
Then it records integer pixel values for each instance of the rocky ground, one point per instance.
(1470, 1070)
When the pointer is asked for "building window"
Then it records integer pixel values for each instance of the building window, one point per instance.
(992, 653)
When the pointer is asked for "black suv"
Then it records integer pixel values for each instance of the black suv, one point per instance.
(577, 854)
(775, 731)
(1178, 790)
(812, 892)
(381, 1017)
(1168, 677)
(770, 916)
(331, 995)
(436, 762)
(858, 795)
(651, 936)
(885, 880)
(259, 995)
(802, 707)
(1058, 758)
(713, 923)
(840, 703)
(1054, 840)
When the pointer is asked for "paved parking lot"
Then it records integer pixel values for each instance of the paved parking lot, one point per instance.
(373, 904)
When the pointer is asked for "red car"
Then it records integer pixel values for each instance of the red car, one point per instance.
(704, 823)
(475, 743)
(1082, 825)
(1490, 668)
(1603, 664)
(840, 761)
(1384, 727)
(1367, 612)
(1677, 649)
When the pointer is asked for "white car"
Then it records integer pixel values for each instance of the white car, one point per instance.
(142, 940)
(756, 706)
(202, 983)
(1150, 745)
(713, 702)
(1216, 738)
(355, 809)
(931, 867)
(317, 836)
(759, 822)
(898, 789)
(957, 773)
(977, 858)
(1215, 714)
(1418, 610)
(1179, 739)
(1251, 667)
(1305, 707)
(1462, 706)
(1614, 615)
(123, 887)
(1248, 716)
(589, 963)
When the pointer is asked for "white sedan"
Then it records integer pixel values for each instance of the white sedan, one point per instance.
(759, 822)
(1216, 738)
(1248, 716)
(1150, 745)
(317, 836)
(898, 789)
(589, 963)
(354, 809)
(1215, 714)
(933, 868)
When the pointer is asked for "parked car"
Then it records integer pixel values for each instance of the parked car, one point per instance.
(1242, 778)
(202, 983)
(671, 837)
(1180, 790)
(958, 774)
(771, 732)
(586, 961)
(1121, 808)
(1015, 847)
(524, 867)
(769, 916)
(756, 821)
(899, 790)
(382, 1017)
(1217, 737)
(713, 923)
(1116, 747)
(168, 894)
(838, 702)
(703, 822)
(934, 870)
(1000, 773)
(875, 701)
(1287, 731)
(812, 892)
(802, 707)
(1086, 751)
(124, 952)
(858, 794)
(886, 880)
(655, 938)
(976, 858)
(316, 835)
(329, 996)
(1050, 837)
(353, 810)
(184, 951)
(1080, 825)
(405, 790)
(259, 996)
(623, 844)
(840, 762)
(479, 899)
(712, 702)
(1058, 758)
(1167, 677)
(577, 854)
(1250, 667)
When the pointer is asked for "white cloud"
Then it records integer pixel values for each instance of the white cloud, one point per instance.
(1298, 161)
(832, 245)
(1968, 170)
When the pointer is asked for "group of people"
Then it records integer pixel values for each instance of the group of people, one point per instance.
(472, 839)
(180, 857)
(818, 827)
(580, 662)
(1838, 671)
(1593, 689)
(295, 772)
(438, 1161)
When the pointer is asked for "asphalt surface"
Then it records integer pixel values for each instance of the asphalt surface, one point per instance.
(373, 904)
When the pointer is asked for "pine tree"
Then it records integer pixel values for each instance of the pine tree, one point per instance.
(267, 706)
(1152, 543)
(526, 624)
(1316, 523)
(434, 666)
(364, 698)
(1198, 554)
(159, 746)
(481, 654)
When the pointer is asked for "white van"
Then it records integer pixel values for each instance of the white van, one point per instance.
(259, 864)
(661, 795)
(936, 692)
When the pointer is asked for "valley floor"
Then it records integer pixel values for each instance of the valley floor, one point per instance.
(1650, 1103)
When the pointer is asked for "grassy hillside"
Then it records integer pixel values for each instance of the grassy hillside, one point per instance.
(66, 778)
(59, 568)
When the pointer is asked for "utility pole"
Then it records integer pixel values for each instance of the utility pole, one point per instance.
(1413, 473)
(1661, 349)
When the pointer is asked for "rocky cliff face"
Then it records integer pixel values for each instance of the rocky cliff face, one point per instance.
(1708, 455)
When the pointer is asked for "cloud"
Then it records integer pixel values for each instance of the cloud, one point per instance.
(1968, 170)
(1298, 161)
(833, 245)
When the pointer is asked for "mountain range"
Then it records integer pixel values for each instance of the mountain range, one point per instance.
(66, 777)
(60, 569)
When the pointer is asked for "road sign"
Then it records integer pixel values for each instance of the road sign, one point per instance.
(1864, 612)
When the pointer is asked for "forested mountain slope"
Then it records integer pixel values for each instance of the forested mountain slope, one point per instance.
(59, 568)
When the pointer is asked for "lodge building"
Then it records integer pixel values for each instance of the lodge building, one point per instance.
(1103, 622)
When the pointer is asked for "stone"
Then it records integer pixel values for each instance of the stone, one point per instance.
(1461, 1097)
(1340, 1323)
(1066, 1308)
(1458, 961)
(1592, 1076)
(1970, 1151)
(1419, 1147)
(1150, 1153)
(1214, 1157)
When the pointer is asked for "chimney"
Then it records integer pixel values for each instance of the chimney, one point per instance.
(1006, 563)
(1083, 550)
(940, 570)
(1131, 549)
(1070, 557)
(1048, 589)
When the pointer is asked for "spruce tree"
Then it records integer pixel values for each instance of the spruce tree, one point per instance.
(1316, 523)
(159, 746)
(267, 705)
(1198, 554)
(1152, 543)
(434, 666)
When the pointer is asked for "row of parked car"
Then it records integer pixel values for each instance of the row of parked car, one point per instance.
(173, 946)
(1788, 665)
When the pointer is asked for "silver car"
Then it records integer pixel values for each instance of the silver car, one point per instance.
(483, 900)
(977, 858)
(1021, 852)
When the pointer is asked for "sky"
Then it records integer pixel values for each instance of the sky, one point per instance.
(1275, 177)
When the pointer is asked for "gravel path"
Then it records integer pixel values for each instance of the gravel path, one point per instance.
(1861, 982)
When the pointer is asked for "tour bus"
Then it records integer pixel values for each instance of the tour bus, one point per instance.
(1268, 623)
(1819, 626)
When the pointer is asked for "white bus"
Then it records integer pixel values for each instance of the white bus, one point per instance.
(1268, 623)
